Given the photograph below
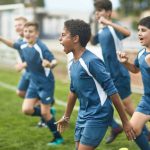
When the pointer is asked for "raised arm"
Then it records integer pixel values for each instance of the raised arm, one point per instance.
(123, 58)
(117, 27)
(6, 42)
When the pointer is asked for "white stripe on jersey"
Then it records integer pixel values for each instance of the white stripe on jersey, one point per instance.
(101, 92)
(37, 48)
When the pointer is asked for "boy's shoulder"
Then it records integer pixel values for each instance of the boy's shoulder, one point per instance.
(41, 44)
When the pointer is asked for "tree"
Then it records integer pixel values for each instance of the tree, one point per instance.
(134, 7)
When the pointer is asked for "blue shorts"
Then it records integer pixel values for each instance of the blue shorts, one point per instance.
(45, 93)
(123, 87)
(144, 105)
(90, 136)
(24, 82)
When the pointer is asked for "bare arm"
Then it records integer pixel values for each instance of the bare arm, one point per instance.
(117, 27)
(63, 123)
(123, 58)
(120, 109)
(7, 42)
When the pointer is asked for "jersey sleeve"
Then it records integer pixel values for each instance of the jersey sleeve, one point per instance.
(98, 70)
(120, 35)
(136, 62)
(16, 45)
(47, 54)
(71, 87)
(95, 39)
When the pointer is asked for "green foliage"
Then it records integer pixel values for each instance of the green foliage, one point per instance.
(37, 2)
(135, 8)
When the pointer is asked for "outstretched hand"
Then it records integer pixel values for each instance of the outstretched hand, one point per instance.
(130, 133)
(62, 124)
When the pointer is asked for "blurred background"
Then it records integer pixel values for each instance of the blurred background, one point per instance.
(19, 132)
(51, 14)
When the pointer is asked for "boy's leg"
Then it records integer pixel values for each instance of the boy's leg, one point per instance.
(90, 139)
(129, 107)
(141, 140)
(50, 120)
(28, 107)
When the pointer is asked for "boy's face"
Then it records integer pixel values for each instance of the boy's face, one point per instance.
(66, 40)
(19, 25)
(30, 34)
(102, 13)
(144, 35)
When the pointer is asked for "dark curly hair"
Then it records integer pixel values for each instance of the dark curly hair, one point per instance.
(103, 4)
(80, 28)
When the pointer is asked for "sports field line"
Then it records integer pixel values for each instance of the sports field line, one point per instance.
(13, 88)
(58, 102)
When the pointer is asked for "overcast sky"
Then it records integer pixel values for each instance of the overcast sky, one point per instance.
(75, 5)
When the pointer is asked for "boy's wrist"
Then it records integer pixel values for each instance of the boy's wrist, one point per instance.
(66, 118)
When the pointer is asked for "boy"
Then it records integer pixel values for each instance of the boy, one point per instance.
(109, 37)
(39, 61)
(92, 85)
(19, 23)
(141, 63)
(24, 81)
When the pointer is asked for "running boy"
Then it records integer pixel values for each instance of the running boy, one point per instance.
(109, 37)
(93, 87)
(141, 63)
(19, 23)
(39, 61)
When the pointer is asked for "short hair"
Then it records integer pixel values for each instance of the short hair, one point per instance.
(34, 24)
(103, 4)
(145, 22)
(21, 18)
(80, 28)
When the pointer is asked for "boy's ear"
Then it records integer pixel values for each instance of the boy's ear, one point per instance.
(109, 13)
(76, 38)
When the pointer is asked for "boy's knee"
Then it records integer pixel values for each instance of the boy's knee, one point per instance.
(20, 93)
(27, 111)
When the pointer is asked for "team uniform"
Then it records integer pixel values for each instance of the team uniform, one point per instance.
(144, 105)
(109, 40)
(41, 79)
(25, 78)
(92, 84)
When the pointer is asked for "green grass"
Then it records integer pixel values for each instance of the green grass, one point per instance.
(19, 132)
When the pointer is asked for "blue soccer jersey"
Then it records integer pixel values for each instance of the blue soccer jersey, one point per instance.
(118, 72)
(144, 105)
(25, 78)
(145, 70)
(93, 85)
(42, 79)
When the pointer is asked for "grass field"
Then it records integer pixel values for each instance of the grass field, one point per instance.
(19, 132)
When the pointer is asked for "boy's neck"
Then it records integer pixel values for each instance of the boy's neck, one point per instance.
(78, 53)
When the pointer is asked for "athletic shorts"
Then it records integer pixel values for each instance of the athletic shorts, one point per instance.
(144, 105)
(44, 93)
(123, 87)
(24, 82)
(90, 136)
